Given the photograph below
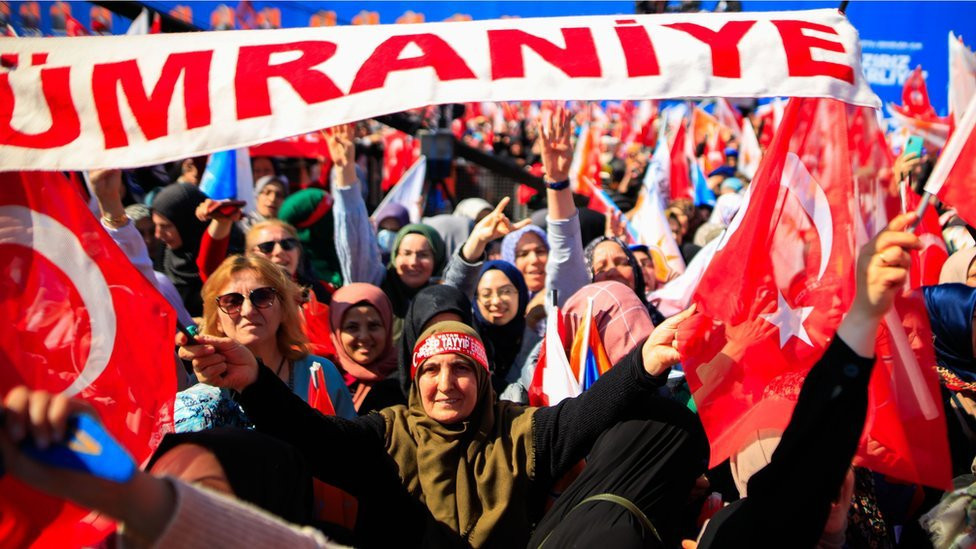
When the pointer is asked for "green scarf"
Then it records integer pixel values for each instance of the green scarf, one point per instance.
(474, 476)
(316, 235)
(400, 294)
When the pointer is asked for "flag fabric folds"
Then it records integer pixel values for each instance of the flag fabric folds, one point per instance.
(962, 76)
(775, 292)
(408, 191)
(588, 357)
(228, 176)
(953, 179)
(82, 321)
(554, 379)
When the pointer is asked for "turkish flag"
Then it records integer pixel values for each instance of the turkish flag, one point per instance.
(774, 294)
(400, 151)
(927, 262)
(80, 320)
(779, 283)
(73, 27)
(680, 167)
(953, 179)
(917, 113)
(905, 432)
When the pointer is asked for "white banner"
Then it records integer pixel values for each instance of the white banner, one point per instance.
(124, 101)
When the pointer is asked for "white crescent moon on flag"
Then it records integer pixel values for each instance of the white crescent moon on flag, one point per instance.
(813, 199)
(48, 237)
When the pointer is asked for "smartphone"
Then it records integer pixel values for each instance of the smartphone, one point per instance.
(914, 145)
(87, 448)
(226, 207)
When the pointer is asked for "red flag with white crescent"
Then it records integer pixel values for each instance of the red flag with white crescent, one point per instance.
(82, 321)
(774, 294)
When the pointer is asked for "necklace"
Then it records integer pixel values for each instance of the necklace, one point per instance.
(280, 366)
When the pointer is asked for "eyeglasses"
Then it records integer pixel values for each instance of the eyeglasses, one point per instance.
(505, 293)
(231, 303)
(287, 244)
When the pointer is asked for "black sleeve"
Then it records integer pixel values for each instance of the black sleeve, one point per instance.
(563, 434)
(346, 453)
(790, 497)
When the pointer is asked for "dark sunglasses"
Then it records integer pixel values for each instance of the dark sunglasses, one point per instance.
(231, 303)
(287, 244)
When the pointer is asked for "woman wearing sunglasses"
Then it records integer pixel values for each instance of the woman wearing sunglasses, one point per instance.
(277, 241)
(252, 301)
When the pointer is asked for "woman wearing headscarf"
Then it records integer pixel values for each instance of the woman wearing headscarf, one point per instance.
(311, 212)
(499, 317)
(951, 308)
(608, 258)
(431, 305)
(177, 226)
(619, 317)
(454, 230)
(960, 268)
(417, 254)
(482, 468)
(389, 218)
(474, 209)
(528, 249)
(362, 332)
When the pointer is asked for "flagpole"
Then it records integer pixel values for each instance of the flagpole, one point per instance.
(926, 199)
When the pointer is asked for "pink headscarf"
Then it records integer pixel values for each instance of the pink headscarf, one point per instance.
(346, 298)
(621, 318)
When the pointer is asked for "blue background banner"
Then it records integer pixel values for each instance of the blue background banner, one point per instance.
(895, 36)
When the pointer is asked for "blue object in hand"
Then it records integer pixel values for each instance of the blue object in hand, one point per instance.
(87, 448)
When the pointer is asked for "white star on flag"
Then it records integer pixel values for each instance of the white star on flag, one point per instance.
(789, 321)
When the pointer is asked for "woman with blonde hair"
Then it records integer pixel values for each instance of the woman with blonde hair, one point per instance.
(278, 242)
(253, 301)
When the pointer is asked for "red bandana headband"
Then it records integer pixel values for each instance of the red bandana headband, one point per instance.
(448, 343)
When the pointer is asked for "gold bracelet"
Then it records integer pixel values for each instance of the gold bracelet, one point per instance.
(115, 221)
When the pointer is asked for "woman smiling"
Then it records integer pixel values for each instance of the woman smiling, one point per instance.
(253, 302)
(362, 331)
(499, 316)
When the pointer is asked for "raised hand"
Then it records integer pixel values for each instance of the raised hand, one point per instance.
(491, 227)
(342, 149)
(107, 185)
(220, 361)
(615, 226)
(882, 267)
(557, 152)
(660, 351)
(904, 165)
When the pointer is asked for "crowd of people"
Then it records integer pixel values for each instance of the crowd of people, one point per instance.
(360, 379)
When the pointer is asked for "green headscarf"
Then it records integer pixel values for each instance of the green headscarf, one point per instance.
(310, 211)
(433, 238)
(400, 294)
(474, 476)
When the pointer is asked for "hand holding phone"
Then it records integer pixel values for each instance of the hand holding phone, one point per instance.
(70, 438)
(914, 146)
(88, 448)
(225, 208)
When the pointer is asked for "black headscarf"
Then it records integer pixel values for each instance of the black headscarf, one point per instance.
(503, 343)
(656, 317)
(428, 303)
(178, 203)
